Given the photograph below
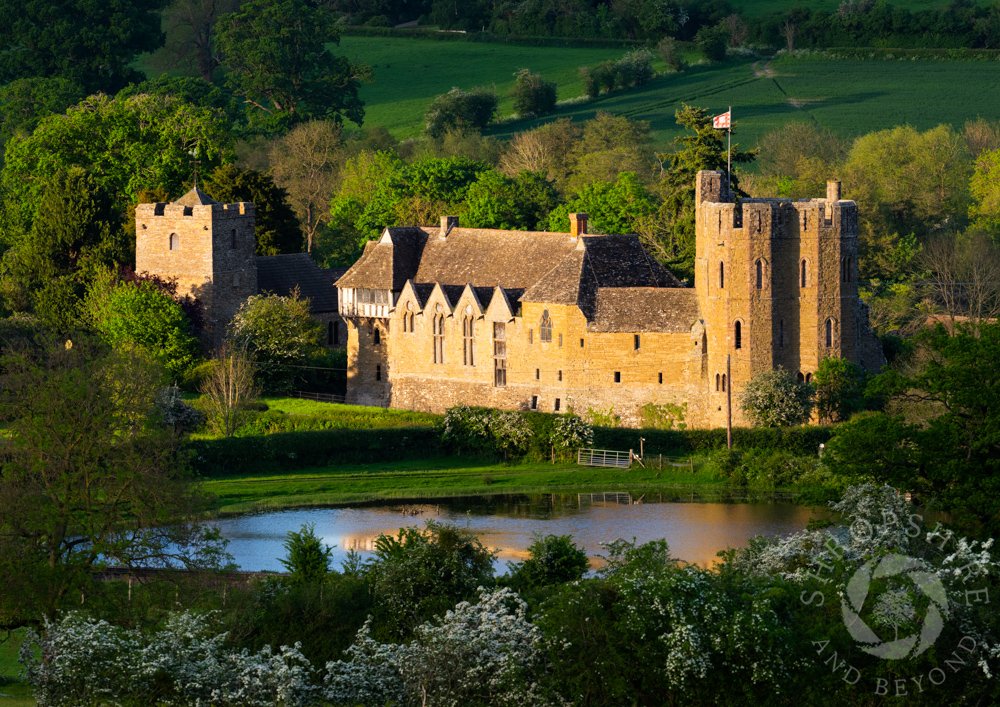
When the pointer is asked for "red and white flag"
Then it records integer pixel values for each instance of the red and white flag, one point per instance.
(722, 122)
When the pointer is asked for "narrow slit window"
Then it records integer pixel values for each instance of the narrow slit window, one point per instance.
(723, 382)
(556, 405)
(378, 373)
(661, 377)
(376, 337)
(636, 342)
(174, 242)
(802, 273)
(618, 376)
(738, 335)
(718, 382)
(534, 402)
(722, 275)
(468, 341)
(538, 374)
(760, 274)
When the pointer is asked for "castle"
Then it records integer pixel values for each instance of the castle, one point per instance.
(208, 248)
(444, 316)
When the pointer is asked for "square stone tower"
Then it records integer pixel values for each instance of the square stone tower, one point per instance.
(777, 286)
(207, 247)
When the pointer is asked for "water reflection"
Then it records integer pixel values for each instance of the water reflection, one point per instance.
(695, 531)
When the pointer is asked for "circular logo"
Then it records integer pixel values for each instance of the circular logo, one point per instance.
(901, 583)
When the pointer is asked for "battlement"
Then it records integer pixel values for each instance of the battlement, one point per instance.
(175, 210)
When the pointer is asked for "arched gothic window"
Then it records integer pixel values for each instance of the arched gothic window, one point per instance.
(438, 338)
(545, 327)
(830, 331)
(468, 341)
(760, 273)
(738, 335)
(175, 241)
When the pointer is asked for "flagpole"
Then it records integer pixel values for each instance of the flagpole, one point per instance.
(729, 152)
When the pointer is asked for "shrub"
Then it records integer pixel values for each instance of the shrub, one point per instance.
(307, 558)
(776, 399)
(711, 41)
(554, 559)
(461, 110)
(533, 96)
(482, 430)
(570, 433)
(670, 51)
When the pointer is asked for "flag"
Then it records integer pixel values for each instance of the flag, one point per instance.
(722, 122)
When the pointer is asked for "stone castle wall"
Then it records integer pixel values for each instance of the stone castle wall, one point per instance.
(209, 249)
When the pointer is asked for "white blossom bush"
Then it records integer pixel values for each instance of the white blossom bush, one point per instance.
(472, 429)
(79, 660)
(485, 652)
(776, 399)
(570, 432)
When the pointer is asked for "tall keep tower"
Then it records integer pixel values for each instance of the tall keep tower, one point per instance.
(207, 247)
(776, 283)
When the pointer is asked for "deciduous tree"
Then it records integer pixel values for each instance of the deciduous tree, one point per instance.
(88, 476)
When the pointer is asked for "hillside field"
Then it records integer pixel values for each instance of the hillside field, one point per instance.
(849, 96)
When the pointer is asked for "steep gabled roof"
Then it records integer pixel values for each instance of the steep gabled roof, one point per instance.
(281, 274)
(637, 309)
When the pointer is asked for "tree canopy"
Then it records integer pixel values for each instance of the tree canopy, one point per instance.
(89, 43)
(276, 57)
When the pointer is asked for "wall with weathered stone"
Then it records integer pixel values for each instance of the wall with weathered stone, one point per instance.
(213, 258)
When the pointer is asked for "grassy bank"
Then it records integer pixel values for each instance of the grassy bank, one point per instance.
(455, 476)
(13, 690)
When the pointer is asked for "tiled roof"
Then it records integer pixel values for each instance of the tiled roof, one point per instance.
(636, 309)
(280, 274)
(195, 197)
(530, 266)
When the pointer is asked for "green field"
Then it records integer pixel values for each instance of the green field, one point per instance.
(409, 73)
(849, 96)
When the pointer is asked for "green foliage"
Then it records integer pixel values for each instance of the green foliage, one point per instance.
(128, 144)
(570, 433)
(74, 238)
(278, 333)
(89, 475)
(418, 574)
(24, 102)
(711, 41)
(533, 96)
(293, 451)
(702, 148)
(485, 431)
(617, 207)
(519, 203)
(985, 209)
(275, 226)
(840, 389)
(323, 616)
(139, 315)
(553, 559)
(776, 399)
(671, 54)
(307, 558)
(664, 416)
(458, 109)
(276, 56)
(90, 44)
(801, 441)
(632, 70)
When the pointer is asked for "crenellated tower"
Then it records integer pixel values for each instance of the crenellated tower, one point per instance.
(776, 285)
(207, 247)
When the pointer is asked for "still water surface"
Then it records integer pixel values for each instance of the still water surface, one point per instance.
(695, 531)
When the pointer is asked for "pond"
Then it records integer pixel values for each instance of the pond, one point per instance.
(508, 524)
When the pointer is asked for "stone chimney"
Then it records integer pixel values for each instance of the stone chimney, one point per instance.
(577, 225)
(833, 190)
(447, 223)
